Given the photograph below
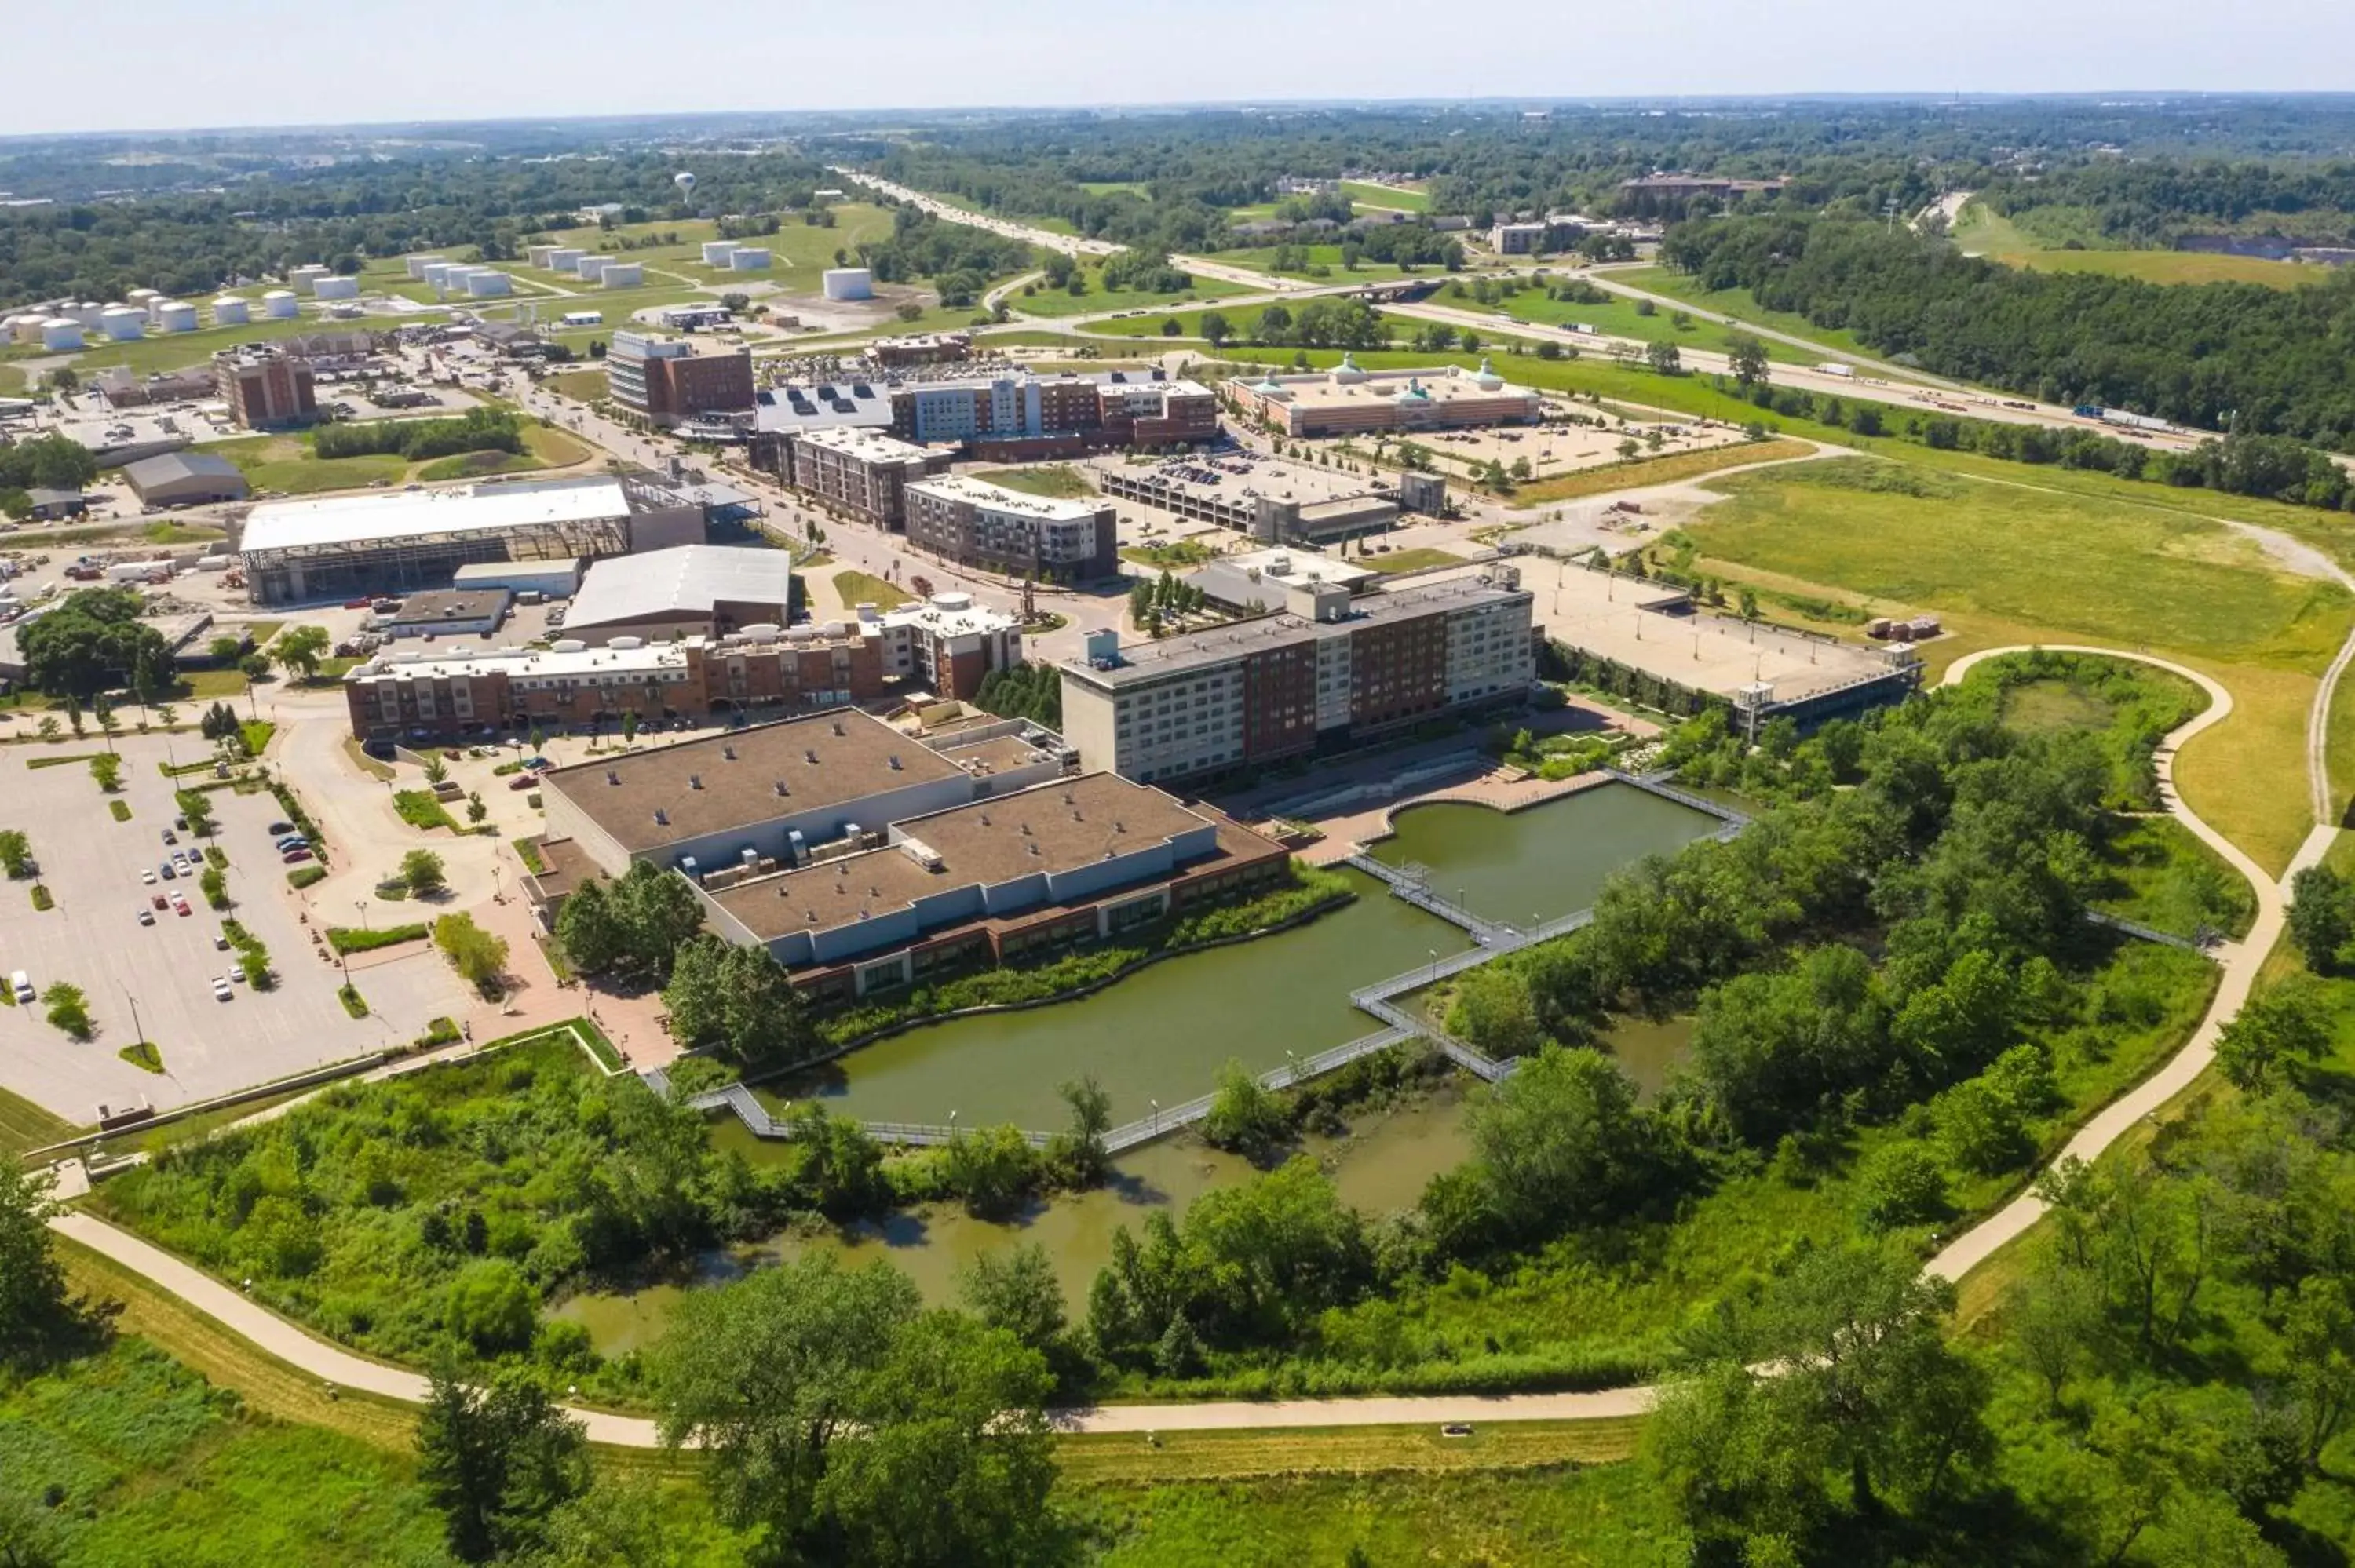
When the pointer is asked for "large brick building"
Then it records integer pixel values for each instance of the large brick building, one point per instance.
(668, 379)
(1346, 400)
(864, 473)
(977, 524)
(266, 388)
(1328, 670)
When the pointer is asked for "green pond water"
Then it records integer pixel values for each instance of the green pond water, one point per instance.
(1530, 866)
(1381, 1165)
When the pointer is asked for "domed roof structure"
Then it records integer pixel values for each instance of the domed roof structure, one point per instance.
(1414, 393)
(1485, 377)
(1346, 373)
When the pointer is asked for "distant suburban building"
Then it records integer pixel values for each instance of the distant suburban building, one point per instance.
(977, 524)
(266, 388)
(1347, 400)
(667, 379)
(693, 590)
(1671, 193)
(183, 478)
(1330, 669)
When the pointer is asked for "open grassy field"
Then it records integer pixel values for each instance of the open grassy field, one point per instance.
(1058, 479)
(24, 1125)
(1657, 470)
(153, 355)
(1617, 318)
(1416, 560)
(1049, 301)
(1738, 304)
(1106, 187)
(856, 587)
(2008, 563)
(285, 464)
(1385, 195)
(1262, 259)
(1983, 232)
(1360, 1450)
(582, 386)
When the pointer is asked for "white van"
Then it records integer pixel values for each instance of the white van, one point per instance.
(21, 984)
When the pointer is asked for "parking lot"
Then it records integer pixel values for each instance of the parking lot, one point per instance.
(92, 865)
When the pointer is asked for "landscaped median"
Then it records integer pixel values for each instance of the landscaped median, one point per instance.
(346, 940)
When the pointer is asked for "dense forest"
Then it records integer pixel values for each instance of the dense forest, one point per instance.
(2154, 203)
(2219, 356)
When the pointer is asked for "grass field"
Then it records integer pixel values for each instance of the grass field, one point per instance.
(856, 587)
(1363, 1450)
(1739, 305)
(1657, 470)
(1414, 560)
(1106, 187)
(1051, 302)
(1385, 195)
(1618, 318)
(2008, 564)
(1262, 259)
(1983, 232)
(581, 386)
(24, 1125)
(285, 464)
(1058, 480)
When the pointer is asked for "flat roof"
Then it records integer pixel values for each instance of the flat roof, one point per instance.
(1260, 577)
(864, 442)
(363, 519)
(952, 618)
(691, 578)
(981, 493)
(728, 781)
(1635, 622)
(1144, 662)
(1236, 479)
(1347, 387)
(457, 660)
(1069, 822)
(450, 604)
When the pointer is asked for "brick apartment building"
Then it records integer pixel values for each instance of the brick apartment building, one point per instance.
(977, 524)
(667, 379)
(864, 473)
(265, 389)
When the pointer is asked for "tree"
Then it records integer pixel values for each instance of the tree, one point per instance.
(299, 650)
(1748, 357)
(629, 726)
(589, 929)
(421, 871)
(476, 807)
(2273, 1028)
(497, 1462)
(1900, 1185)
(491, 1307)
(33, 1303)
(1016, 1290)
(479, 957)
(765, 1372)
(1562, 1143)
(1665, 358)
(436, 770)
(1216, 328)
(1245, 1116)
(15, 852)
(2321, 917)
(993, 1169)
(68, 1009)
(1078, 1154)
(93, 639)
(738, 998)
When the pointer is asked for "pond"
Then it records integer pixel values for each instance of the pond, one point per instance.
(1526, 867)
(1382, 1164)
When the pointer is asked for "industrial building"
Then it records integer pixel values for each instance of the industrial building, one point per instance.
(266, 387)
(1329, 670)
(694, 316)
(183, 478)
(340, 547)
(551, 579)
(1347, 400)
(449, 612)
(977, 524)
(1765, 671)
(863, 858)
(668, 379)
(860, 471)
(693, 590)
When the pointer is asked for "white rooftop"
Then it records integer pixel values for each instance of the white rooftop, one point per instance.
(459, 660)
(873, 446)
(981, 493)
(690, 578)
(951, 615)
(355, 519)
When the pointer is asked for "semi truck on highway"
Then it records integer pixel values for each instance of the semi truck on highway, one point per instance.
(2121, 417)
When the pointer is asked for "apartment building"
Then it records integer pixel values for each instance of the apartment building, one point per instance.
(977, 524)
(668, 379)
(1326, 672)
(863, 471)
(1013, 418)
(265, 389)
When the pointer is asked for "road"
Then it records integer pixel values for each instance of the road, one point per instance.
(2241, 962)
(1070, 245)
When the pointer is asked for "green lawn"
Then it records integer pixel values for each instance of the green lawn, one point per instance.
(864, 587)
(2163, 876)
(1059, 480)
(1617, 318)
(1982, 232)
(1050, 301)
(581, 386)
(24, 1125)
(1410, 560)
(1262, 259)
(1385, 195)
(1106, 187)
(285, 464)
(149, 355)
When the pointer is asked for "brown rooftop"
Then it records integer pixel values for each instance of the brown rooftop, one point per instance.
(728, 781)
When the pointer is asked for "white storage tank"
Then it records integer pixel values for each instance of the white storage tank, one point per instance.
(622, 274)
(230, 311)
(485, 283)
(415, 265)
(278, 304)
(565, 258)
(141, 296)
(849, 283)
(154, 308)
(176, 315)
(749, 259)
(717, 252)
(332, 287)
(537, 255)
(87, 313)
(120, 323)
(304, 279)
(60, 333)
(591, 267)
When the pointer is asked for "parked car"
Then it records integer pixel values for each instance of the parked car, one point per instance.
(524, 782)
(220, 942)
(165, 871)
(170, 837)
(222, 990)
(20, 985)
(180, 907)
(146, 915)
(147, 875)
(294, 856)
(158, 901)
(276, 828)
(293, 840)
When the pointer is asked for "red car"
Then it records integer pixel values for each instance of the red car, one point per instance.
(159, 900)
(180, 907)
(296, 856)
(524, 782)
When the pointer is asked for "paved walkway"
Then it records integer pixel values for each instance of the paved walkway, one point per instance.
(2241, 962)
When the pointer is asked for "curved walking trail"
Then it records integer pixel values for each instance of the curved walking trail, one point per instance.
(2241, 961)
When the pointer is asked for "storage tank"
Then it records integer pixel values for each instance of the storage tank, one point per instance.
(717, 252)
(336, 288)
(565, 258)
(849, 283)
(278, 304)
(622, 274)
(120, 323)
(749, 259)
(591, 267)
(155, 309)
(486, 283)
(303, 280)
(60, 333)
(176, 315)
(141, 296)
(415, 265)
(87, 313)
(537, 255)
(230, 311)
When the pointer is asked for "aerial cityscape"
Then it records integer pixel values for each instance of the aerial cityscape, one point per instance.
(1486, 829)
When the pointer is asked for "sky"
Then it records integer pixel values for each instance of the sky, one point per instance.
(162, 64)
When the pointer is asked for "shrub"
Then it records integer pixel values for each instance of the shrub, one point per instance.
(215, 886)
(42, 897)
(1245, 1117)
(1900, 1185)
(420, 810)
(345, 939)
(354, 1004)
(304, 876)
(491, 1307)
(69, 1010)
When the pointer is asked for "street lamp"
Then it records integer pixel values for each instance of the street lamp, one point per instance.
(361, 904)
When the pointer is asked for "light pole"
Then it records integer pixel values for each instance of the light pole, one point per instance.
(361, 904)
(133, 1000)
(1156, 1122)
